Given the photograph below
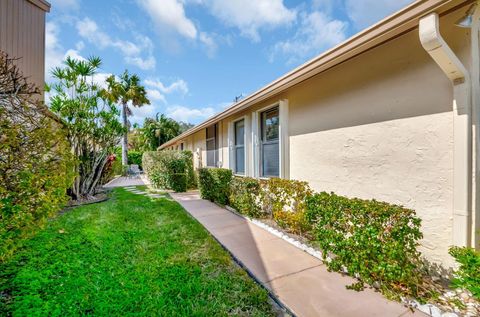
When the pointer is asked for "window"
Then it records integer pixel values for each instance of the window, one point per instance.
(212, 146)
(181, 146)
(269, 143)
(239, 147)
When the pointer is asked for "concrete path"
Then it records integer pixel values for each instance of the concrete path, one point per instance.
(299, 280)
(123, 181)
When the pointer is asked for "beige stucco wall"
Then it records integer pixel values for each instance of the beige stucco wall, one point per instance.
(381, 126)
(378, 126)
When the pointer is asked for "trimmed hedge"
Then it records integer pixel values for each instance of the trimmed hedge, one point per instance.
(169, 169)
(214, 184)
(245, 196)
(373, 240)
(284, 200)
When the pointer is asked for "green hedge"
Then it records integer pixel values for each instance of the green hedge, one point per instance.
(374, 240)
(214, 184)
(245, 196)
(468, 274)
(36, 167)
(169, 169)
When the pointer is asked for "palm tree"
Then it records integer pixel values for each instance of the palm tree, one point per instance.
(126, 90)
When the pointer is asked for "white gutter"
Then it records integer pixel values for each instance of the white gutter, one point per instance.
(453, 68)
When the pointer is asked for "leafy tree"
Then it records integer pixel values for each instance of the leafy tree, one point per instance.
(125, 91)
(156, 132)
(184, 126)
(91, 121)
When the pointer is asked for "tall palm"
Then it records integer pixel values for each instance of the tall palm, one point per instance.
(124, 91)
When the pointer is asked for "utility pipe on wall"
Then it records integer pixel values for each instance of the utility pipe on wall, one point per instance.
(453, 68)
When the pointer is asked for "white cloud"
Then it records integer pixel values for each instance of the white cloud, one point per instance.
(170, 14)
(140, 113)
(179, 85)
(155, 95)
(367, 12)
(316, 33)
(132, 52)
(209, 43)
(65, 4)
(182, 113)
(251, 16)
(53, 50)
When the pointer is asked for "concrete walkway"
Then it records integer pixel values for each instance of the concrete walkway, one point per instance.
(299, 280)
(123, 181)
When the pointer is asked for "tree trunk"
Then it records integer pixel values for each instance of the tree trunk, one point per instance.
(125, 136)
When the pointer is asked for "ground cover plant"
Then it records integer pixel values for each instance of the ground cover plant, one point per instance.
(128, 256)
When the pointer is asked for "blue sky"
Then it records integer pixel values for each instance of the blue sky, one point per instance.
(195, 56)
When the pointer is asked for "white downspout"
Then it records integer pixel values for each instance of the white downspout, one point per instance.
(453, 68)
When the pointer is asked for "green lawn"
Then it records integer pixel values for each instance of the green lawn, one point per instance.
(130, 255)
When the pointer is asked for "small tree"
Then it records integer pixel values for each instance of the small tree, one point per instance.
(126, 90)
(91, 121)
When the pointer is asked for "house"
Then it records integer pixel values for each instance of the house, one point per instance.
(391, 114)
(22, 35)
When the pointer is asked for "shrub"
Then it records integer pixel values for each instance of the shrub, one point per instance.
(214, 184)
(169, 169)
(36, 167)
(374, 240)
(468, 274)
(284, 200)
(245, 195)
(135, 157)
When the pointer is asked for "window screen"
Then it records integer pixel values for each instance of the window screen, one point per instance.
(240, 147)
(212, 147)
(270, 156)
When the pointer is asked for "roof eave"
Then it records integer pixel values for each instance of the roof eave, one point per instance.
(42, 4)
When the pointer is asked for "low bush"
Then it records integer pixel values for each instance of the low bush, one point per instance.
(245, 193)
(214, 184)
(373, 240)
(169, 169)
(284, 200)
(135, 157)
(468, 274)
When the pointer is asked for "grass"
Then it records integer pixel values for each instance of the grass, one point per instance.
(129, 256)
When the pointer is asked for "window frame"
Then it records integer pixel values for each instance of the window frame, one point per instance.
(215, 144)
(264, 141)
(283, 135)
(235, 146)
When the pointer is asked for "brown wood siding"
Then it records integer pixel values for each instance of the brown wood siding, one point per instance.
(22, 35)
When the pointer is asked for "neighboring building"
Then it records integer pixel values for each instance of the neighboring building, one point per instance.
(374, 117)
(22, 35)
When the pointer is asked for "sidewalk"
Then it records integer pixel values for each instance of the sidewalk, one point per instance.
(299, 280)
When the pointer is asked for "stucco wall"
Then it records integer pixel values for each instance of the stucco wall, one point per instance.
(381, 126)
(378, 126)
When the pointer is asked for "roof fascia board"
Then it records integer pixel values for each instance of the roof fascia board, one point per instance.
(42, 4)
